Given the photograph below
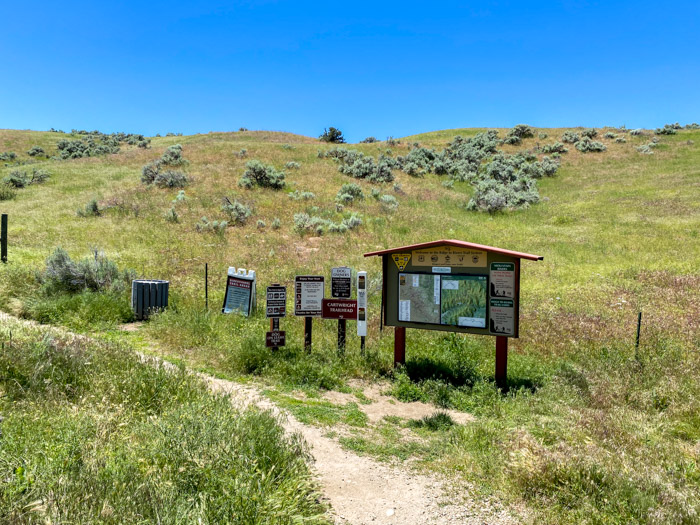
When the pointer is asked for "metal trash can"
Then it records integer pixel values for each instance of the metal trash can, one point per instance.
(148, 295)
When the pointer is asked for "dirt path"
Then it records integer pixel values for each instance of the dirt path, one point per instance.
(359, 489)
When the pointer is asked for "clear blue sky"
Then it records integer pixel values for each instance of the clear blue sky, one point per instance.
(369, 68)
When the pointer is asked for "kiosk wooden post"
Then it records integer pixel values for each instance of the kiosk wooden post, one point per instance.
(399, 345)
(501, 362)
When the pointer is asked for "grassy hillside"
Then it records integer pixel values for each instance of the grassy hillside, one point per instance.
(590, 430)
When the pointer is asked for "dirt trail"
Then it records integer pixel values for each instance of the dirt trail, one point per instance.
(360, 490)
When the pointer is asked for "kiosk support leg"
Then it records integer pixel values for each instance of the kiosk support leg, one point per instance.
(399, 345)
(307, 333)
(501, 362)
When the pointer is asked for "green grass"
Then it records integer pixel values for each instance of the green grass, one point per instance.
(93, 435)
(590, 429)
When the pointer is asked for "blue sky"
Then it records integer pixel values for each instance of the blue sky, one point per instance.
(368, 68)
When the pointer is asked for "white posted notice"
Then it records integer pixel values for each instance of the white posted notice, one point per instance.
(405, 311)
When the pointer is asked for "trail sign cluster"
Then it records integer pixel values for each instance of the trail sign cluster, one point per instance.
(453, 286)
(308, 295)
(275, 309)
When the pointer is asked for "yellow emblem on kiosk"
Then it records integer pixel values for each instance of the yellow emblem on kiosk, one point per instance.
(401, 260)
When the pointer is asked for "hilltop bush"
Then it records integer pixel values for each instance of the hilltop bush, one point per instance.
(96, 273)
(238, 213)
(693, 125)
(36, 151)
(668, 129)
(586, 145)
(8, 156)
(348, 193)
(332, 135)
(570, 137)
(610, 135)
(591, 133)
(361, 166)
(637, 132)
(492, 195)
(22, 179)
(369, 140)
(418, 162)
(557, 147)
(173, 156)
(155, 173)
(518, 133)
(258, 174)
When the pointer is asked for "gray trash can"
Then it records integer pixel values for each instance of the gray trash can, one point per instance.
(148, 295)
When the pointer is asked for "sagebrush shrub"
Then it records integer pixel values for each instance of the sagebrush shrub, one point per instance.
(610, 135)
(171, 215)
(369, 140)
(388, 202)
(518, 133)
(173, 156)
(170, 179)
(542, 135)
(237, 212)
(570, 137)
(96, 273)
(692, 125)
(36, 151)
(557, 147)
(258, 174)
(348, 193)
(301, 195)
(586, 145)
(590, 133)
(91, 209)
(288, 147)
(620, 140)
(668, 129)
(292, 165)
(276, 224)
(204, 226)
(8, 156)
(22, 179)
(637, 132)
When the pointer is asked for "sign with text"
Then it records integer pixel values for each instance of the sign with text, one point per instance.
(275, 338)
(341, 282)
(276, 305)
(503, 280)
(449, 256)
(340, 309)
(238, 296)
(308, 295)
(361, 303)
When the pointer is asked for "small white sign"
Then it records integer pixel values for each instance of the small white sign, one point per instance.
(361, 303)
(405, 311)
(442, 269)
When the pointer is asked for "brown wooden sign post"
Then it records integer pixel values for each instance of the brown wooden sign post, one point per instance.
(453, 286)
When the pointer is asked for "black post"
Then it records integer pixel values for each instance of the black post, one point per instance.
(341, 336)
(362, 344)
(274, 327)
(307, 333)
(639, 329)
(3, 238)
(206, 285)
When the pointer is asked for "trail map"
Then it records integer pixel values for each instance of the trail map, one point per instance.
(458, 300)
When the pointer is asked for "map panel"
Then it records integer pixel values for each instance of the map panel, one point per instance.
(463, 300)
(419, 298)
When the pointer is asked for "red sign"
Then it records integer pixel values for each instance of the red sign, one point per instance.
(340, 309)
(276, 338)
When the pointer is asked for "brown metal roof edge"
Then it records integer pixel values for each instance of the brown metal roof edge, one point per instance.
(461, 244)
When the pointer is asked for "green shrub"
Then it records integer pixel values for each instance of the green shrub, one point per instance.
(693, 125)
(518, 133)
(542, 135)
(590, 133)
(303, 222)
(348, 193)
(291, 165)
(361, 166)
(369, 140)
(438, 421)
(418, 162)
(637, 132)
(8, 156)
(257, 174)
(204, 226)
(96, 273)
(668, 129)
(180, 197)
(171, 179)
(570, 137)
(332, 135)
(587, 145)
(242, 153)
(260, 224)
(620, 140)
(22, 179)
(646, 149)
(171, 215)
(7, 192)
(173, 156)
(301, 195)
(276, 224)
(610, 135)
(388, 202)
(237, 212)
(557, 147)
(92, 209)
(36, 151)
(287, 147)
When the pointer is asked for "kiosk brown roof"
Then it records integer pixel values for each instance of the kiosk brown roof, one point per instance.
(459, 244)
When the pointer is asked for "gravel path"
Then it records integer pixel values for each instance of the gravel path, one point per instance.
(359, 489)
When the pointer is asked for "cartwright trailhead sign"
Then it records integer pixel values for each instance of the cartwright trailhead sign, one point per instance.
(453, 286)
